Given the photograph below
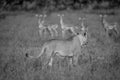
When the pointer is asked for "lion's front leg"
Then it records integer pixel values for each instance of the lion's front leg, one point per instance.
(75, 59)
(50, 62)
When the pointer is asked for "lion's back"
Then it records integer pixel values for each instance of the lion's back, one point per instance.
(62, 46)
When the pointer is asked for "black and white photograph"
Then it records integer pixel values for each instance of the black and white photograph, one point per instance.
(59, 39)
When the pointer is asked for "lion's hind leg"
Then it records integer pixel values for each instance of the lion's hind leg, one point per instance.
(49, 57)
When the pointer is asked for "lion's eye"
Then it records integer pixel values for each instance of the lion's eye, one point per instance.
(27, 55)
(84, 34)
(77, 33)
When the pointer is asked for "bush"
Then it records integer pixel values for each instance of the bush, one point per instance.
(57, 4)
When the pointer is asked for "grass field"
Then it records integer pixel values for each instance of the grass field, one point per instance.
(100, 59)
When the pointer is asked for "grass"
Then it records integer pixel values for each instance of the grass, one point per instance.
(99, 61)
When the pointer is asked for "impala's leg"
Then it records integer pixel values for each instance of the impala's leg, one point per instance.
(41, 30)
(56, 33)
(41, 24)
(106, 28)
(55, 29)
(115, 27)
(50, 30)
(63, 32)
(46, 30)
(52, 34)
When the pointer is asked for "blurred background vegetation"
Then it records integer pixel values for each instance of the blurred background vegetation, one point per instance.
(52, 5)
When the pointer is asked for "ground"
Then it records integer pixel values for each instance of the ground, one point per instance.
(100, 59)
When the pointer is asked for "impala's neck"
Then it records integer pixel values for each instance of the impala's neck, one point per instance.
(61, 21)
(104, 20)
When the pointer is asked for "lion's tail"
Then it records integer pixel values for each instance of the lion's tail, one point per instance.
(42, 50)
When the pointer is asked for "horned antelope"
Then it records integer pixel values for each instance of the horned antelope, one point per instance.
(65, 27)
(108, 26)
(42, 27)
(41, 21)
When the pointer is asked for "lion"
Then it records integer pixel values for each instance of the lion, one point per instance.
(63, 48)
